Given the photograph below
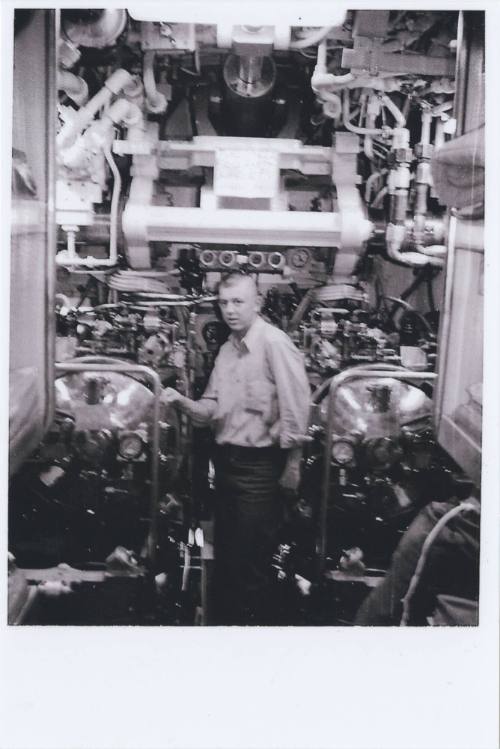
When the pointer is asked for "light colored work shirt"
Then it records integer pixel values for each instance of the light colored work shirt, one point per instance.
(258, 393)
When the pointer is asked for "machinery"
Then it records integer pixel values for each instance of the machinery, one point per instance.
(301, 154)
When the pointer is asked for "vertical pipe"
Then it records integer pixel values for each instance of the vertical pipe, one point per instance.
(52, 33)
(445, 327)
(425, 136)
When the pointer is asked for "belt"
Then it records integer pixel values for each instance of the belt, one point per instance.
(247, 453)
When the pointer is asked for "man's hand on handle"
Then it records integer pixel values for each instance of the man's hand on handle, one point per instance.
(171, 397)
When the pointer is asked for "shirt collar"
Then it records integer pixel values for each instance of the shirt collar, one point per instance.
(250, 337)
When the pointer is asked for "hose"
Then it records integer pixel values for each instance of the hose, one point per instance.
(410, 308)
(353, 128)
(379, 197)
(319, 392)
(301, 310)
(468, 505)
(369, 182)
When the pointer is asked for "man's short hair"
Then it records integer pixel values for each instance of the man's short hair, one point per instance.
(234, 276)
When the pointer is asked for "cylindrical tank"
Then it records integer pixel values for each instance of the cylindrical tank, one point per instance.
(248, 88)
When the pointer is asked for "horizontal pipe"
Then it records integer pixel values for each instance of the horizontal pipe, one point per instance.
(145, 223)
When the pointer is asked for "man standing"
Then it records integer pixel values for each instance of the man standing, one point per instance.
(257, 401)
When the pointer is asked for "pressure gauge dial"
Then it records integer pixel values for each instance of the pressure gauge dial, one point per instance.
(343, 452)
(299, 258)
(130, 446)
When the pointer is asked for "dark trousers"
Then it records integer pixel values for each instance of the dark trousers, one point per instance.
(452, 567)
(248, 514)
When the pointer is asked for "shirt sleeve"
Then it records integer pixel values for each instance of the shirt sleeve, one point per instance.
(203, 411)
(293, 390)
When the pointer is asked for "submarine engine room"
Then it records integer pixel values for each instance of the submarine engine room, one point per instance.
(331, 171)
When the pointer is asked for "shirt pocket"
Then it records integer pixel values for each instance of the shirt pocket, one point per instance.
(257, 397)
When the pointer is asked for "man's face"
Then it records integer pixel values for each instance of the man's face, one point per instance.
(239, 303)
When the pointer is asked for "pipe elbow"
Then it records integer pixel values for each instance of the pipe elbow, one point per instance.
(394, 236)
(394, 110)
(123, 111)
(73, 86)
(119, 80)
(156, 102)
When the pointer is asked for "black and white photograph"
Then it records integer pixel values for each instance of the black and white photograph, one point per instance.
(246, 301)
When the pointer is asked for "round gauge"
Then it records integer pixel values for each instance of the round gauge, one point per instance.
(276, 260)
(343, 452)
(130, 446)
(208, 258)
(227, 258)
(299, 258)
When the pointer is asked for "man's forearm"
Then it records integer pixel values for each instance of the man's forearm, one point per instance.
(201, 411)
(294, 456)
